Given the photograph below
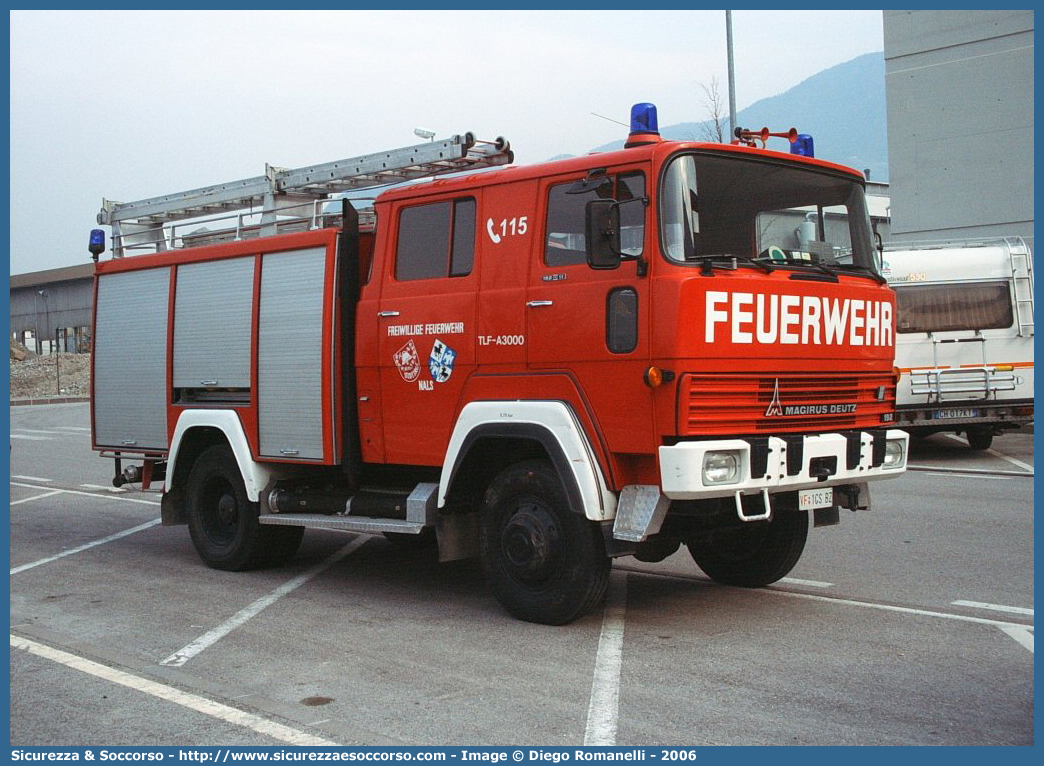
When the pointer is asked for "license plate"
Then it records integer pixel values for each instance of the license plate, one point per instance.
(815, 498)
(954, 414)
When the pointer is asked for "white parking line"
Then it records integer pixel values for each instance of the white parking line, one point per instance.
(894, 608)
(211, 637)
(1001, 455)
(102, 486)
(90, 494)
(806, 583)
(967, 473)
(36, 497)
(85, 546)
(31, 438)
(74, 428)
(604, 707)
(38, 431)
(170, 694)
(1022, 634)
(849, 602)
(30, 478)
(995, 607)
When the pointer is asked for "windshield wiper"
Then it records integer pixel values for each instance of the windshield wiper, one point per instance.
(707, 264)
(874, 275)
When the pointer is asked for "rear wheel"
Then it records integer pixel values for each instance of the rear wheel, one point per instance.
(544, 562)
(754, 554)
(224, 523)
(979, 438)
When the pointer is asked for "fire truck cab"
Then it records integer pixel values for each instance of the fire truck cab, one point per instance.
(545, 366)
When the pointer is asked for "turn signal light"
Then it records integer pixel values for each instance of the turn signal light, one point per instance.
(655, 377)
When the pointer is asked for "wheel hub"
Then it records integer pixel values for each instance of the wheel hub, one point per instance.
(220, 512)
(226, 509)
(531, 542)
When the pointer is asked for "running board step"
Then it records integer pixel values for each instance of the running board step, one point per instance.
(342, 523)
(421, 505)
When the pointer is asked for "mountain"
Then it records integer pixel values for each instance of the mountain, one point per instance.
(843, 108)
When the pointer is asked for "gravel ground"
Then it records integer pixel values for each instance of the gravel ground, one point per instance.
(37, 377)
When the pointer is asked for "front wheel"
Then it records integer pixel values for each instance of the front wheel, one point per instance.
(752, 555)
(224, 523)
(544, 562)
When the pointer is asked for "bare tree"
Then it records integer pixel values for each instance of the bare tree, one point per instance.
(713, 129)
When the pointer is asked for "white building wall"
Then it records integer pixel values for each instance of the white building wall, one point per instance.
(959, 88)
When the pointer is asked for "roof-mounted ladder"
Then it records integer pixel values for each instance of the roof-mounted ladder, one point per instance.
(1022, 280)
(143, 224)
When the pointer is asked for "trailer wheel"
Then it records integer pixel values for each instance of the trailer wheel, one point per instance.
(543, 562)
(754, 554)
(979, 439)
(223, 522)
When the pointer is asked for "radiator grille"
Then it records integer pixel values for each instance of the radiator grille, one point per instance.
(747, 403)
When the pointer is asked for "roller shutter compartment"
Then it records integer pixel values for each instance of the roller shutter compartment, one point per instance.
(212, 305)
(290, 337)
(130, 360)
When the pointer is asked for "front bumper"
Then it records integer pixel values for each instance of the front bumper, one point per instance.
(780, 464)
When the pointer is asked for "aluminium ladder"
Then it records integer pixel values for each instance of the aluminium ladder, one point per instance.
(144, 224)
(1022, 276)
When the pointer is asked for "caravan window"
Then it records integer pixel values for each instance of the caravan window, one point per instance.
(943, 308)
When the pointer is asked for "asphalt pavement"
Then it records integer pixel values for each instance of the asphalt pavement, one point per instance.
(911, 623)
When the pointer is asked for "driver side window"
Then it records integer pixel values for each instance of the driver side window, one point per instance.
(565, 244)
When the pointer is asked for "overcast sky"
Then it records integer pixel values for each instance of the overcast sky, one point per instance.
(127, 105)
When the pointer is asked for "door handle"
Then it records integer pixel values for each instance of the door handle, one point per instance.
(538, 304)
(387, 313)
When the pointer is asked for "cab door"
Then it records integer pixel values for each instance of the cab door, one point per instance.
(426, 318)
(593, 324)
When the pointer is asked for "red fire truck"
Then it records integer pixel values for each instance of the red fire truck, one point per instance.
(545, 366)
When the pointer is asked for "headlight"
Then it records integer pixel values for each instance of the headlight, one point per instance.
(721, 467)
(893, 457)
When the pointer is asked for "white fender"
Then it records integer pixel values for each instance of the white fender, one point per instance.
(256, 476)
(558, 419)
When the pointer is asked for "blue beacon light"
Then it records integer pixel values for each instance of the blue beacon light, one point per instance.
(643, 118)
(803, 146)
(96, 246)
(644, 126)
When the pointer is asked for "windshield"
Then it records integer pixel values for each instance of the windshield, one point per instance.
(715, 205)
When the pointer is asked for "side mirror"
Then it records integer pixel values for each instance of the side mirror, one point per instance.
(602, 230)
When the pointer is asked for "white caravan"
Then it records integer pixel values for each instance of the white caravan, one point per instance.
(964, 343)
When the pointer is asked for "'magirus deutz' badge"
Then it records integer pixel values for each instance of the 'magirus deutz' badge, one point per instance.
(775, 408)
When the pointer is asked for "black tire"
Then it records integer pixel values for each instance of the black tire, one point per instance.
(223, 522)
(543, 562)
(754, 554)
(979, 439)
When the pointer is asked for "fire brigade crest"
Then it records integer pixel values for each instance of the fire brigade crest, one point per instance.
(408, 361)
(441, 361)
